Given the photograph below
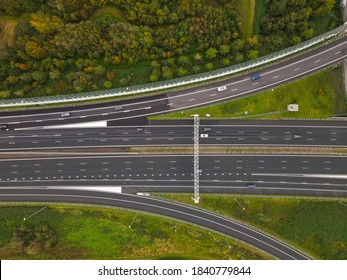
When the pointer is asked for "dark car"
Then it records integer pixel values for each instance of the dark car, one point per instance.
(3, 126)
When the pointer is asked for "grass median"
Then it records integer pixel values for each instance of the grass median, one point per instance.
(319, 96)
(94, 233)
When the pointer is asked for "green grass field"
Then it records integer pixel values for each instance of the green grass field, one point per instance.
(316, 226)
(319, 96)
(247, 11)
(92, 233)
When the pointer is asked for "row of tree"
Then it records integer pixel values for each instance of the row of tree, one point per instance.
(67, 47)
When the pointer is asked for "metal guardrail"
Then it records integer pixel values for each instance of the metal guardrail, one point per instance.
(178, 81)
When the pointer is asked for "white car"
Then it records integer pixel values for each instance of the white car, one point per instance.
(222, 88)
(66, 114)
(204, 135)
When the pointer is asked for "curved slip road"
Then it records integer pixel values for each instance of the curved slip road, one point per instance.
(125, 111)
(178, 211)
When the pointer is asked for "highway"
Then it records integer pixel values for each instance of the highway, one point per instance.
(180, 133)
(272, 174)
(169, 209)
(67, 178)
(127, 110)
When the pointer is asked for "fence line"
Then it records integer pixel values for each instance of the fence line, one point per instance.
(157, 86)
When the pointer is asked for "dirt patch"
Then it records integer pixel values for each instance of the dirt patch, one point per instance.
(110, 11)
(7, 33)
(213, 3)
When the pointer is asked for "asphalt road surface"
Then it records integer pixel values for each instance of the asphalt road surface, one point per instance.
(175, 133)
(291, 174)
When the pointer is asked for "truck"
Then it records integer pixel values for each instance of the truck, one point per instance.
(255, 77)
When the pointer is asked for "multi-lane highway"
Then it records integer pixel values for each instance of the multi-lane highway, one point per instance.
(125, 110)
(197, 216)
(175, 133)
(65, 178)
(290, 174)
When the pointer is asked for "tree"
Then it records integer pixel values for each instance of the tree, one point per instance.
(239, 57)
(38, 76)
(123, 82)
(12, 79)
(153, 77)
(211, 53)
(296, 40)
(110, 75)
(167, 72)
(252, 54)
(238, 45)
(155, 64)
(54, 74)
(182, 72)
(34, 50)
(196, 69)
(19, 93)
(5, 94)
(108, 84)
(225, 61)
(100, 70)
(224, 49)
(209, 66)
(183, 60)
(252, 41)
(198, 57)
(46, 24)
(308, 34)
